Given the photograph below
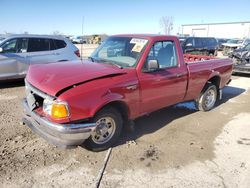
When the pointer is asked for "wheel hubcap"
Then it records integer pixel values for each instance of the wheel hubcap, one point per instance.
(210, 98)
(105, 129)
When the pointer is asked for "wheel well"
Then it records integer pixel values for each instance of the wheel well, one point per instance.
(215, 81)
(120, 107)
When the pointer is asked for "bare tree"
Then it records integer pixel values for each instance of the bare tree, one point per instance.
(167, 22)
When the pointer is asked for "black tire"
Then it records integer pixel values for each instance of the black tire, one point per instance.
(106, 119)
(208, 98)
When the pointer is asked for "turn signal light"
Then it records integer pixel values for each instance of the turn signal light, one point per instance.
(59, 111)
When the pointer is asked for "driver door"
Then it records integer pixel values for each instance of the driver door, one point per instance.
(166, 86)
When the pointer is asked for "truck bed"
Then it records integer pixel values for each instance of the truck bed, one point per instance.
(191, 58)
(201, 69)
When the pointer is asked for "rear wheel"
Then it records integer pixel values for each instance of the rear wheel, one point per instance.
(108, 129)
(208, 98)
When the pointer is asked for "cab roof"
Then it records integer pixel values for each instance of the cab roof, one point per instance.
(145, 36)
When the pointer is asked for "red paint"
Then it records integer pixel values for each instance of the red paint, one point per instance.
(51, 78)
(140, 92)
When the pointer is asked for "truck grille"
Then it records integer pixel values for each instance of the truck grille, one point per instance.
(35, 97)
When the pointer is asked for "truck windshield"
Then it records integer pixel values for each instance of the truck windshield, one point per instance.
(120, 51)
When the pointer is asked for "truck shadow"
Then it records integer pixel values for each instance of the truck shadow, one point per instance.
(11, 83)
(161, 118)
(242, 75)
(154, 122)
(230, 92)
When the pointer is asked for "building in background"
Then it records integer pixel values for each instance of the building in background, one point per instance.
(218, 30)
(87, 39)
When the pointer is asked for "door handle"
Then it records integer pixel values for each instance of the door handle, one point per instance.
(179, 75)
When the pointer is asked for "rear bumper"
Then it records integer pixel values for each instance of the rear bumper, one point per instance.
(245, 68)
(61, 135)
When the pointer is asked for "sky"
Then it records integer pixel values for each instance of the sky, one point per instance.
(114, 16)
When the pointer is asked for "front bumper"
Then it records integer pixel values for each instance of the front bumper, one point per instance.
(61, 135)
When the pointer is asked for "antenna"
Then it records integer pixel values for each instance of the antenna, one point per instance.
(82, 35)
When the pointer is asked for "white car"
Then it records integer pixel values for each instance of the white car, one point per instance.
(17, 52)
(79, 40)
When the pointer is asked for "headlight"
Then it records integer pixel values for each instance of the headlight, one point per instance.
(47, 106)
(55, 109)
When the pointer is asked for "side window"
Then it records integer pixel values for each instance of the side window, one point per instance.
(165, 53)
(10, 46)
(189, 41)
(22, 45)
(59, 44)
(38, 44)
(52, 44)
(212, 42)
(199, 42)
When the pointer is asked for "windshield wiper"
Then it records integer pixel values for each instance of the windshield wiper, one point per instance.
(110, 62)
(104, 61)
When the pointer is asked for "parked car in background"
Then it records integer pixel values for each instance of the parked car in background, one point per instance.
(245, 42)
(234, 43)
(231, 45)
(182, 39)
(242, 65)
(241, 59)
(220, 42)
(200, 46)
(17, 52)
(239, 53)
(78, 40)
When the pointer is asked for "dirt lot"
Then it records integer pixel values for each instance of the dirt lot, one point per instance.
(173, 147)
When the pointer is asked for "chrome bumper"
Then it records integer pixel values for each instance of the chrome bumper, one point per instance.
(61, 135)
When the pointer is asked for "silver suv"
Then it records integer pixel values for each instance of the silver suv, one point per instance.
(17, 52)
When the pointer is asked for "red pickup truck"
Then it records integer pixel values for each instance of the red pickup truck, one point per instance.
(89, 102)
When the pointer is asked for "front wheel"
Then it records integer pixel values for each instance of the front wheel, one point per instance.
(208, 98)
(108, 129)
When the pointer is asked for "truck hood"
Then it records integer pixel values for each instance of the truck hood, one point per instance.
(54, 78)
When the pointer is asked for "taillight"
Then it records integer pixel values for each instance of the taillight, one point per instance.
(77, 52)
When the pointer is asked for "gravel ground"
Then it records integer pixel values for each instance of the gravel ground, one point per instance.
(173, 147)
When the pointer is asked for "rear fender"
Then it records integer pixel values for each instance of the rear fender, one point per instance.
(214, 78)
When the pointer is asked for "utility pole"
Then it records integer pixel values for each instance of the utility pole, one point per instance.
(82, 35)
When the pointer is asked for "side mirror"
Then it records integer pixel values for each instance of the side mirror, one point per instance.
(1, 50)
(152, 65)
(189, 44)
